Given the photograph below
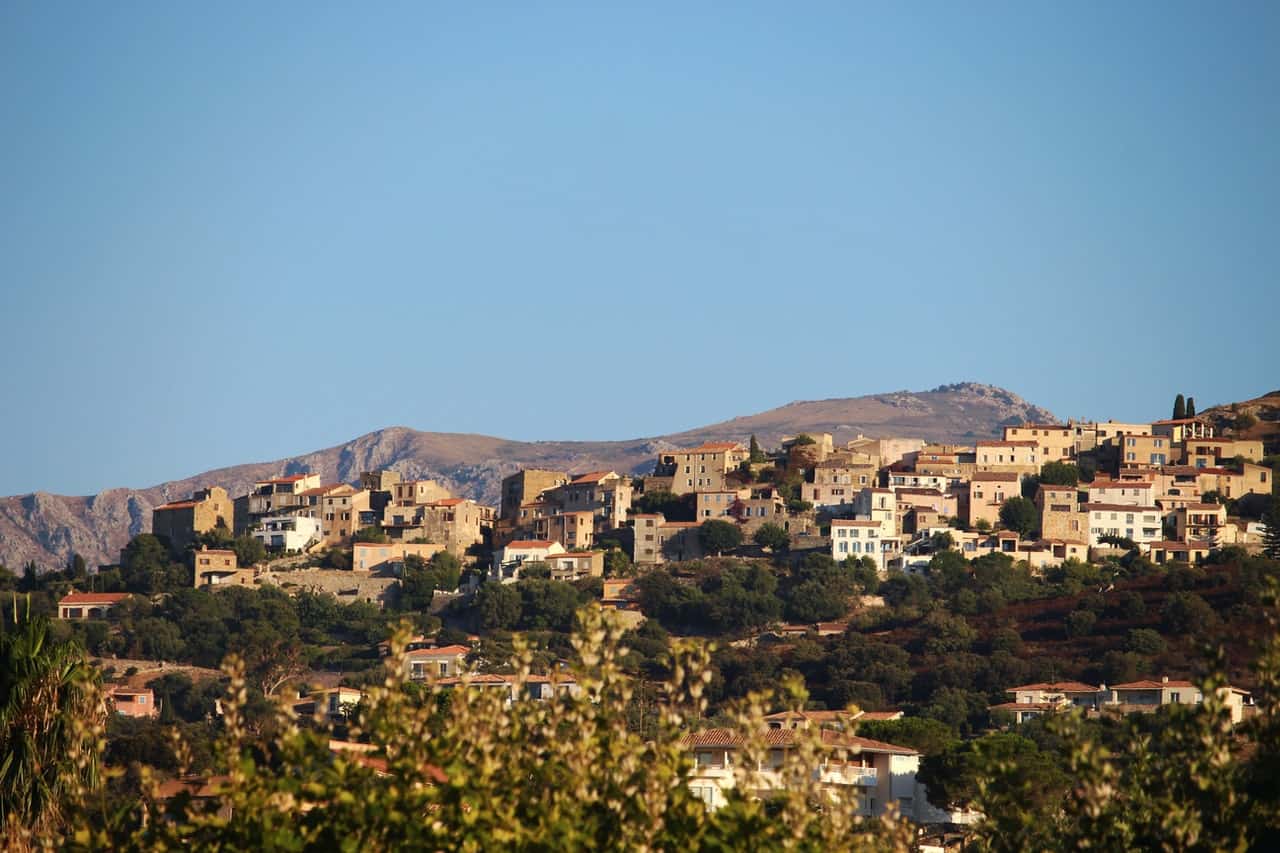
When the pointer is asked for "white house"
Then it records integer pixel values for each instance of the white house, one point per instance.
(507, 561)
(1142, 524)
(288, 532)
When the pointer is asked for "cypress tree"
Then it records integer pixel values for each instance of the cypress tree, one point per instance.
(1271, 534)
(756, 454)
(1179, 408)
(1191, 407)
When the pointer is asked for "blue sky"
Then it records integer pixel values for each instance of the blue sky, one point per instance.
(236, 232)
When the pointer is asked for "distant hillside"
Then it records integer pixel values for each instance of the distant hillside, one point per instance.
(1265, 410)
(49, 528)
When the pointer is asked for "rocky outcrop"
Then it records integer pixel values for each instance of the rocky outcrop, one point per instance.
(48, 528)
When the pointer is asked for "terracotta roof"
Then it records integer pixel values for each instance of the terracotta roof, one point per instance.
(1178, 421)
(1118, 507)
(1057, 686)
(530, 544)
(175, 505)
(854, 522)
(681, 524)
(448, 502)
(729, 739)
(291, 479)
(1120, 484)
(1008, 444)
(995, 477)
(439, 650)
(1218, 507)
(1048, 488)
(1151, 684)
(913, 491)
(93, 598)
(589, 477)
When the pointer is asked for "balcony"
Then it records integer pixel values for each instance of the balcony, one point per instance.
(849, 774)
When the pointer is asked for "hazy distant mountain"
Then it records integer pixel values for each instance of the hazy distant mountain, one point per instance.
(48, 528)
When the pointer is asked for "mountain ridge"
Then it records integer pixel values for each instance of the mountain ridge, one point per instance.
(48, 528)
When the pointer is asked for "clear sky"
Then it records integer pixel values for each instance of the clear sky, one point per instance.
(235, 232)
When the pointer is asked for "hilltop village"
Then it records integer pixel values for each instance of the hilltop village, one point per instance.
(928, 595)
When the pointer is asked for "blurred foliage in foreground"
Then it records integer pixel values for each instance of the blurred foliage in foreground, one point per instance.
(461, 771)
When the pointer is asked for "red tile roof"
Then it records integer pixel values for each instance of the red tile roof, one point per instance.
(93, 598)
(589, 477)
(439, 650)
(529, 544)
(282, 480)
(729, 739)
(1118, 507)
(1057, 687)
(995, 477)
(1119, 484)
(1151, 684)
(1008, 444)
(175, 505)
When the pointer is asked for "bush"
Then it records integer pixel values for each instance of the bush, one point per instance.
(1080, 623)
(1187, 613)
(1145, 641)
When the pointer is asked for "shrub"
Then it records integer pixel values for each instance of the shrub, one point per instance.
(1080, 623)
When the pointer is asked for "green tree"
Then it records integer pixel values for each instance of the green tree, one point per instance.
(1187, 613)
(1179, 408)
(773, 537)
(719, 536)
(249, 551)
(498, 606)
(1145, 641)
(50, 702)
(1019, 514)
(929, 737)
(1080, 623)
(372, 534)
(1059, 474)
(1271, 529)
(755, 454)
(1191, 407)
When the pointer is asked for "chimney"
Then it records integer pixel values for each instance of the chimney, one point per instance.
(1164, 679)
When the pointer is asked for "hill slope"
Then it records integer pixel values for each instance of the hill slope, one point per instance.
(49, 528)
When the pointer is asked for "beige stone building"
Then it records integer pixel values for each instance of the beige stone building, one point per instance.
(1020, 457)
(217, 567)
(701, 468)
(181, 521)
(1054, 442)
(575, 530)
(387, 557)
(457, 523)
(1182, 429)
(659, 541)
(606, 494)
(1200, 522)
(834, 483)
(1139, 452)
(987, 492)
(1130, 492)
(275, 497)
(1213, 452)
(1060, 515)
(575, 565)
(525, 487)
